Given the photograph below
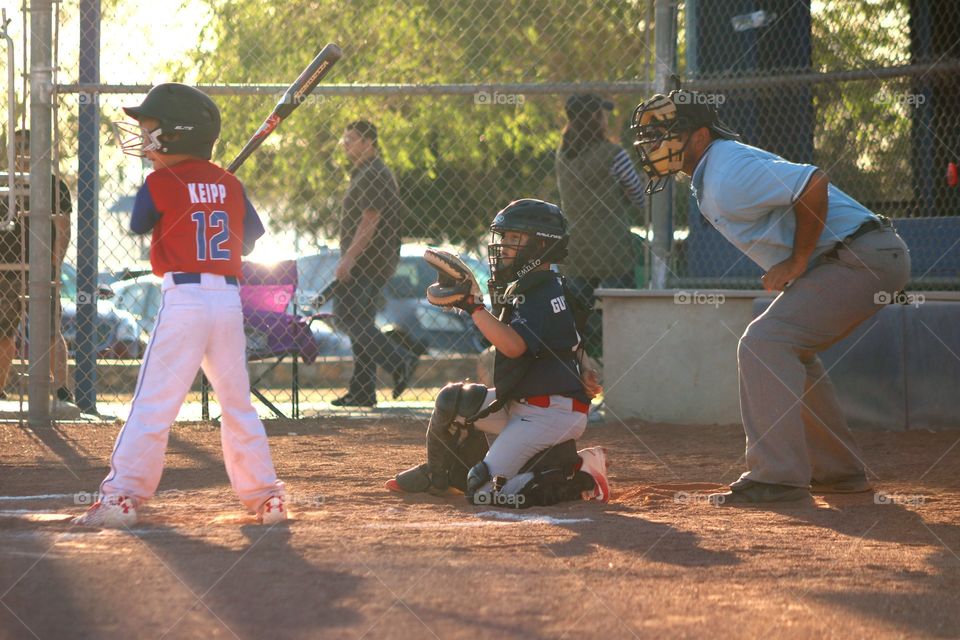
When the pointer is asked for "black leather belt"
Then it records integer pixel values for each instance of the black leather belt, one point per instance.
(873, 224)
(194, 278)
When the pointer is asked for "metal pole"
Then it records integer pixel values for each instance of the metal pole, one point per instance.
(88, 176)
(41, 200)
(11, 125)
(665, 48)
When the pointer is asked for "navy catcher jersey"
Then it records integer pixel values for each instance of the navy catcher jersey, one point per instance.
(539, 312)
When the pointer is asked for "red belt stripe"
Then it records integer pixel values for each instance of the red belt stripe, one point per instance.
(544, 402)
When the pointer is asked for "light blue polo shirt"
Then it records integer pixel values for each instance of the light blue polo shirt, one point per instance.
(748, 195)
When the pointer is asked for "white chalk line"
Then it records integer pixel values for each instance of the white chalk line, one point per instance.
(500, 519)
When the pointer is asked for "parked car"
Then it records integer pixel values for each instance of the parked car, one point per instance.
(141, 297)
(406, 315)
(117, 333)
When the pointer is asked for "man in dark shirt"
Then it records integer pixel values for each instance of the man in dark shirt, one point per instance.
(14, 264)
(369, 253)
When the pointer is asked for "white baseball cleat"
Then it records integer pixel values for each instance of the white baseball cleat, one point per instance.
(272, 510)
(595, 463)
(113, 512)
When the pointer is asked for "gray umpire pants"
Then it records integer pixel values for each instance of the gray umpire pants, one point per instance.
(795, 429)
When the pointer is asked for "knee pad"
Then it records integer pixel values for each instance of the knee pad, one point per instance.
(444, 433)
(456, 400)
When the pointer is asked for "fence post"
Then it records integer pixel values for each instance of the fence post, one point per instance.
(665, 49)
(88, 169)
(40, 287)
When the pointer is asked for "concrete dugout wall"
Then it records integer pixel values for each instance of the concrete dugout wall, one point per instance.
(671, 356)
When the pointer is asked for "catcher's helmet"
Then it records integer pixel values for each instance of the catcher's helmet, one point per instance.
(657, 125)
(546, 232)
(189, 122)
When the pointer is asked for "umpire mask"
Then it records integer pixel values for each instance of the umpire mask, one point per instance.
(657, 125)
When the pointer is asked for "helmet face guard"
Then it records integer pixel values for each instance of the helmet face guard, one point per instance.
(658, 140)
(542, 238)
(189, 123)
(526, 254)
(135, 140)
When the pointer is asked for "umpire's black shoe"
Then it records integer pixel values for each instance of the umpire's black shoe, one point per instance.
(351, 400)
(403, 375)
(747, 492)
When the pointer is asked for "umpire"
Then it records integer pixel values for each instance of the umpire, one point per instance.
(835, 264)
(369, 253)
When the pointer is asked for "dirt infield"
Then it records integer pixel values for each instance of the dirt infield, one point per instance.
(357, 562)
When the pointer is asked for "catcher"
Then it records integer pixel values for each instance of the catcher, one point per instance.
(540, 401)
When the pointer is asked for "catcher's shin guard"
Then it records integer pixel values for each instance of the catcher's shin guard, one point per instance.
(415, 479)
(456, 400)
(472, 450)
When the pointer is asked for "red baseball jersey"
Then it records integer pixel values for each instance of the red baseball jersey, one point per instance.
(197, 211)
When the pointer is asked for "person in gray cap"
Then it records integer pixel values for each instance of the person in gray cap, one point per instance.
(835, 264)
(601, 194)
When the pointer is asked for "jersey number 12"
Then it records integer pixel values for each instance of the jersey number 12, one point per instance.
(215, 249)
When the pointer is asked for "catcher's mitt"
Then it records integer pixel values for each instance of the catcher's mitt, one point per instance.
(456, 285)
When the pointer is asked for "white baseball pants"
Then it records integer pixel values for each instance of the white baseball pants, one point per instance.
(521, 431)
(198, 325)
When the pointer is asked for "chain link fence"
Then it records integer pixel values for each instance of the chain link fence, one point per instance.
(469, 99)
(865, 91)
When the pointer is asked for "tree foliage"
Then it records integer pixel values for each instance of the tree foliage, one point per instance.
(458, 158)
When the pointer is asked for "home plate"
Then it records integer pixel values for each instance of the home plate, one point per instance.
(529, 517)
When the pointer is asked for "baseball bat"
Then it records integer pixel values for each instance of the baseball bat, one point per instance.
(291, 99)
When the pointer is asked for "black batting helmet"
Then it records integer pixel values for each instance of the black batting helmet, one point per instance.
(547, 235)
(185, 113)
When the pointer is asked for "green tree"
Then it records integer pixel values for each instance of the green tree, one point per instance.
(458, 159)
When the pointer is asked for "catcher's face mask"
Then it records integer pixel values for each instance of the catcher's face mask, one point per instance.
(512, 254)
(658, 141)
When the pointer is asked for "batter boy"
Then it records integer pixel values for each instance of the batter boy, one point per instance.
(202, 223)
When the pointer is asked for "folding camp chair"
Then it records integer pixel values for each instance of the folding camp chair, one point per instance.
(267, 292)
